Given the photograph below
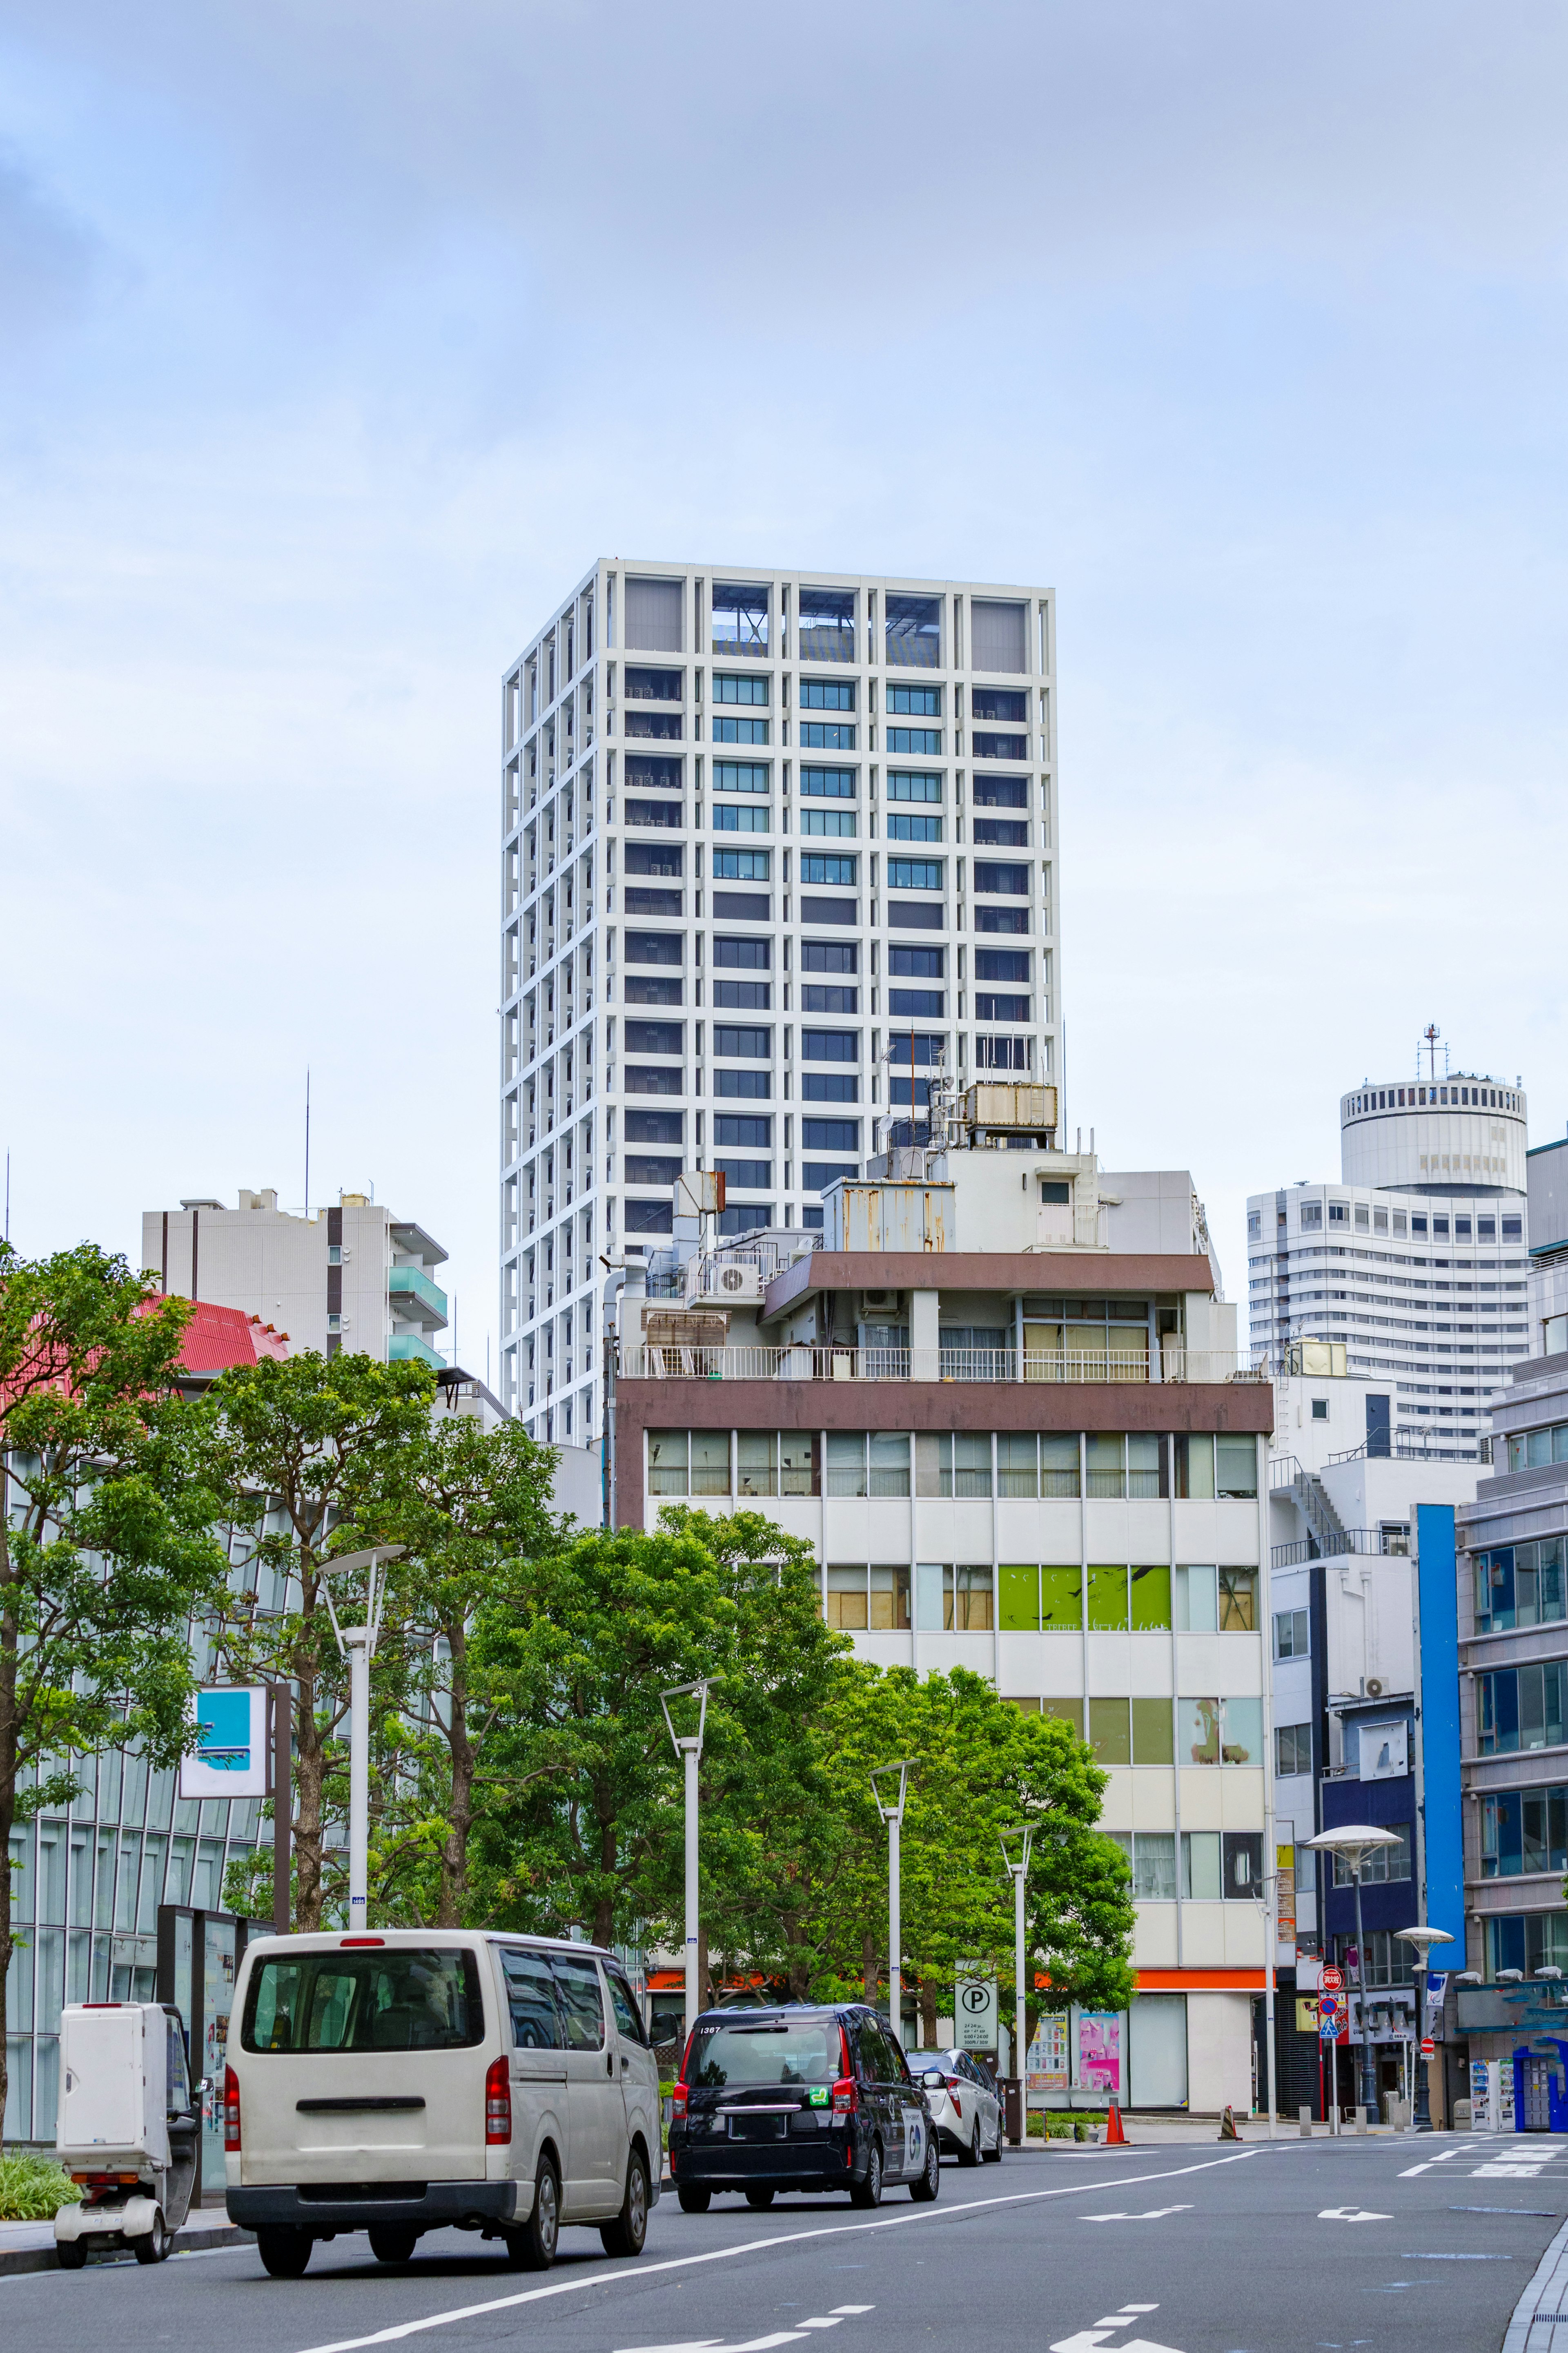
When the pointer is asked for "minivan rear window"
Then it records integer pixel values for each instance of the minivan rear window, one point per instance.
(400, 1998)
(803, 2051)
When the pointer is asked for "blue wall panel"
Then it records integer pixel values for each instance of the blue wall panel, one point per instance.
(1439, 1598)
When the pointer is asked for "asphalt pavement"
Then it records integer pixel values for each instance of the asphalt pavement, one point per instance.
(1348, 2246)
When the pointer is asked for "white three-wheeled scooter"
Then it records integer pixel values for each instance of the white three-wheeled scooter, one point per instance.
(127, 2130)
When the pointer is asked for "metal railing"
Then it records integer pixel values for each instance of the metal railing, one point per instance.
(1385, 1541)
(807, 1362)
(1481, 1452)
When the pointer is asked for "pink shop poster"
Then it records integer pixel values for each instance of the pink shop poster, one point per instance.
(1100, 2052)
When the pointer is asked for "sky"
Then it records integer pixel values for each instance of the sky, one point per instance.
(339, 340)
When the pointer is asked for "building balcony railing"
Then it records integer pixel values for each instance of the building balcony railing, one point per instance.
(414, 1299)
(805, 1362)
(1392, 1543)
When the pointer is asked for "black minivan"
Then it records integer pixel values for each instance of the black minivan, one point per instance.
(804, 2096)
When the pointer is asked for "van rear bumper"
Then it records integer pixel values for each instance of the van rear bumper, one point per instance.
(323, 2208)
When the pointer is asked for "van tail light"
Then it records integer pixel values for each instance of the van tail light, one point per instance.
(497, 2104)
(845, 2101)
(678, 2104)
(230, 2110)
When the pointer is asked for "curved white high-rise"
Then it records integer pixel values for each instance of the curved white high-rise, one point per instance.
(1415, 1262)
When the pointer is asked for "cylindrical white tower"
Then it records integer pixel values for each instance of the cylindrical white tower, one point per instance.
(1465, 1133)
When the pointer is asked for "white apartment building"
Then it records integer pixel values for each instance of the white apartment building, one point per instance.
(353, 1276)
(1414, 1263)
(776, 846)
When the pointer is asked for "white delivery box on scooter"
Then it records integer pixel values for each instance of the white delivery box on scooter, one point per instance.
(126, 2130)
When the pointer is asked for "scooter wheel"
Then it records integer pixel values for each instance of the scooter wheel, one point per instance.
(154, 2247)
(70, 2256)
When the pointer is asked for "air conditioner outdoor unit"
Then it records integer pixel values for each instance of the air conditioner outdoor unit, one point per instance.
(878, 1303)
(738, 1282)
(1374, 1687)
(733, 1282)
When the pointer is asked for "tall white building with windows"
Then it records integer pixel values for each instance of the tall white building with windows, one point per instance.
(1415, 1264)
(775, 847)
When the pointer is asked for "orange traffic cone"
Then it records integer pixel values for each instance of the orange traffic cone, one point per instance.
(1228, 2126)
(1114, 2135)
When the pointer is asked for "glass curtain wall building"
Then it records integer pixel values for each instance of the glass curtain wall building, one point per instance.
(776, 846)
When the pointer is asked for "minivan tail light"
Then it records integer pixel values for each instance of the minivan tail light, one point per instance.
(347, 1943)
(230, 2110)
(844, 2102)
(678, 2104)
(497, 2104)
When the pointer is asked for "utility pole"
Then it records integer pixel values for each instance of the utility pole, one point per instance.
(357, 1644)
(1016, 1848)
(688, 1748)
(892, 1813)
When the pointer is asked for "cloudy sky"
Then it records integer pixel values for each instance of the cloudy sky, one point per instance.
(337, 340)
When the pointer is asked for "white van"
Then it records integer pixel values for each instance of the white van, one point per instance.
(428, 2079)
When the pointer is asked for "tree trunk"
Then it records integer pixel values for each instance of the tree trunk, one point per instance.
(870, 1969)
(460, 1814)
(799, 1961)
(928, 2012)
(310, 1776)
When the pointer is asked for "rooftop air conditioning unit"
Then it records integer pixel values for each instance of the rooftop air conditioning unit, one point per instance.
(1374, 1687)
(740, 1282)
(879, 1302)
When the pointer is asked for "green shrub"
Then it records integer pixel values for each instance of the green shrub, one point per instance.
(33, 2189)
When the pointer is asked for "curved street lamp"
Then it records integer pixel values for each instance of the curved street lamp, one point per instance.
(1356, 1841)
(891, 1810)
(688, 1747)
(1423, 1939)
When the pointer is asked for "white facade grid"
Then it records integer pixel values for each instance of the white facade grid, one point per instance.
(830, 832)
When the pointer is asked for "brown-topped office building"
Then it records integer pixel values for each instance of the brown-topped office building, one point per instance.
(999, 1396)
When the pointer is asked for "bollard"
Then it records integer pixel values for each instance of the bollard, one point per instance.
(1305, 2116)
(1228, 2125)
(1361, 2120)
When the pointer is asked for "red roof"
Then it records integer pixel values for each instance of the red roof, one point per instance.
(216, 1337)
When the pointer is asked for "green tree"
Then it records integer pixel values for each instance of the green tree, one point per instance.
(106, 1533)
(315, 1456)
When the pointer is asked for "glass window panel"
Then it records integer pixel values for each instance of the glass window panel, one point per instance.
(929, 1597)
(1110, 1730)
(1197, 1731)
(666, 1461)
(756, 1463)
(581, 2004)
(1104, 1462)
(1243, 1732)
(1107, 1600)
(1198, 1600)
(1065, 1711)
(1201, 1866)
(889, 1463)
(847, 1603)
(890, 1597)
(1549, 1583)
(1017, 1470)
(799, 1463)
(972, 1463)
(1151, 1599)
(1020, 1600)
(969, 1593)
(1195, 1467)
(847, 1462)
(1153, 1741)
(710, 1461)
(1238, 1600)
(1143, 1466)
(933, 1462)
(1061, 1600)
(1058, 1463)
(1236, 1466)
(1154, 1866)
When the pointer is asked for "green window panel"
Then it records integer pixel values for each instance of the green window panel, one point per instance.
(1153, 1740)
(1020, 1600)
(1107, 1600)
(1110, 1731)
(1061, 1600)
(1151, 1599)
(1065, 1711)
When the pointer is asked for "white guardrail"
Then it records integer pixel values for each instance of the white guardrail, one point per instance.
(669, 1360)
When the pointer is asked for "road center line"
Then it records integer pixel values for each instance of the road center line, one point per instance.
(760, 2246)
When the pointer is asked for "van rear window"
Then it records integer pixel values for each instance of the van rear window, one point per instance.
(804, 2052)
(407, 1997)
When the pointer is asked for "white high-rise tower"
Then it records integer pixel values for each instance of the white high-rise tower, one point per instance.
(772, 843)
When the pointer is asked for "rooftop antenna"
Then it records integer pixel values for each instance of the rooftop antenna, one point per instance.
(1431, 1034)
(7, 1196)
(307, 1139)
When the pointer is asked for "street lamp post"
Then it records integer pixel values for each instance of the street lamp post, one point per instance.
(1015, 1848)
(892, 1812)
(1356, 1841)
(357, 1644)
(688, 1748)
(1423, 1939)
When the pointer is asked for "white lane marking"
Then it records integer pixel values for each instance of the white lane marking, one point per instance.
(1351, 2214)
(1155, 2214)
(760, 2246)
(1090, 2340)
(795, 2336)
(1514, 2172)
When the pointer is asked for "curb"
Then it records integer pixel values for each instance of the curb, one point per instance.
(186, 2242)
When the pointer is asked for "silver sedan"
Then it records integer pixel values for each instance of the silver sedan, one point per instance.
(964, 2105)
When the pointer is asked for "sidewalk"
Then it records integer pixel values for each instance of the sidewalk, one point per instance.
(30, 2246)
